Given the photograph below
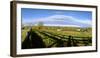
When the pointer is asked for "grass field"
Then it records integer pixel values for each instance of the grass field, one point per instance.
(59, 36)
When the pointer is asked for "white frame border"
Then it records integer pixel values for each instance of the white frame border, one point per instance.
(52, 50)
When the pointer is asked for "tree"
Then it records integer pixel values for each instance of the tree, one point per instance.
(40, 25)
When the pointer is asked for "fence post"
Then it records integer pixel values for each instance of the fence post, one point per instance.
(74, 43)
(69, 41)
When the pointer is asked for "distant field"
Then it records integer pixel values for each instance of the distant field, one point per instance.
(61, 36)
(73, 31)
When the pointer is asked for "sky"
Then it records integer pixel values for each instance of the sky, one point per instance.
(51, 17)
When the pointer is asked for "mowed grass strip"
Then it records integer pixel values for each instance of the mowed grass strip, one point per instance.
(23, 34)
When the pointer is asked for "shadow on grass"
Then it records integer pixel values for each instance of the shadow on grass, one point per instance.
(32, 40)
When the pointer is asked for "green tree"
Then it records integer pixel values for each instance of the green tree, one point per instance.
(40, 25)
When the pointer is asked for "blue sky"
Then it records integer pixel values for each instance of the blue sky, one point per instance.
(57, 17)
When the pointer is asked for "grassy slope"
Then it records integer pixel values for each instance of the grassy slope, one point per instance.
(67, 31)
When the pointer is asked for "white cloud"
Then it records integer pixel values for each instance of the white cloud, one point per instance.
(61, 25)
(62, 18)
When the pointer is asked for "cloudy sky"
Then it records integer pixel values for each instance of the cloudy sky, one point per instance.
(49, 17)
